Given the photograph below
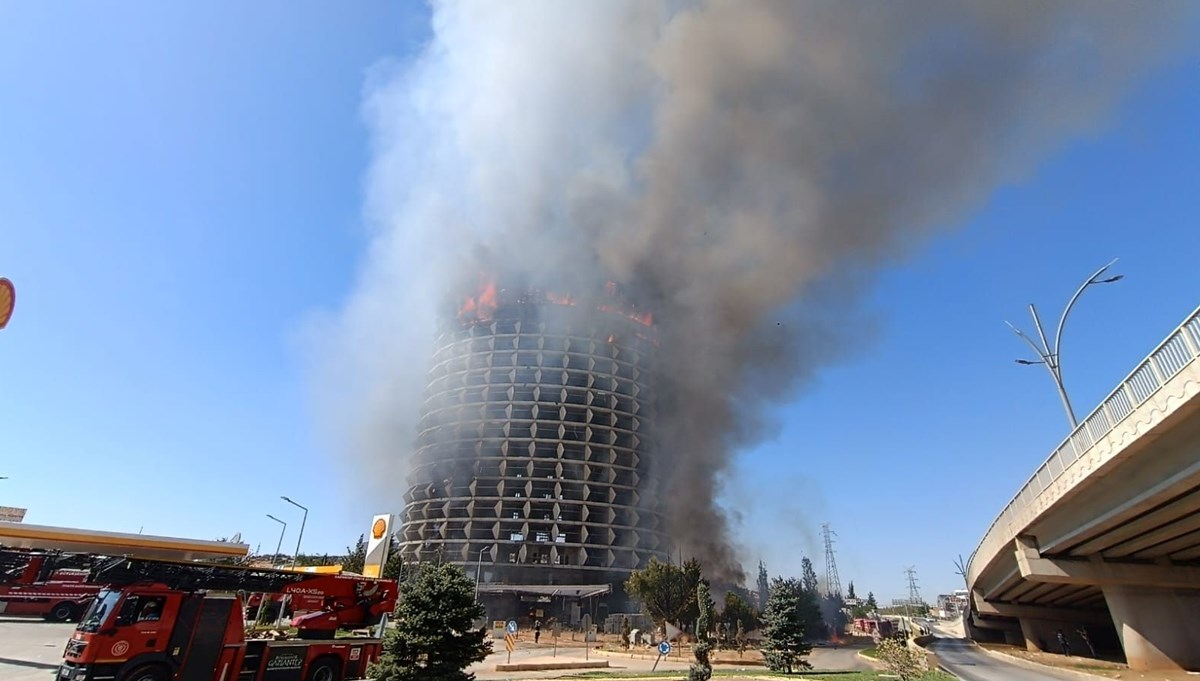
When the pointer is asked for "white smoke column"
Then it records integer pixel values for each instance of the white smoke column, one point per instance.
(742, 164)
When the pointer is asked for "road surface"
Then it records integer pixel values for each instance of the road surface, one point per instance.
(969, 663)
(31, 649)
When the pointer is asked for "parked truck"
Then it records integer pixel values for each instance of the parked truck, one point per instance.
(46, 584)
(174, 621)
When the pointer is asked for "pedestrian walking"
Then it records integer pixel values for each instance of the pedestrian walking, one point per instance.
(1087, 640)
(1062, 642)
(537, 630)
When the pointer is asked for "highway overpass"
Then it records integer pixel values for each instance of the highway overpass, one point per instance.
(1104, 538)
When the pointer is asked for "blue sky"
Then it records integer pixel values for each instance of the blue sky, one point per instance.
(181, 192)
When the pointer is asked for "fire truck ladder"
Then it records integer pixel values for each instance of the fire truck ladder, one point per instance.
(193, 576)
(14, 561)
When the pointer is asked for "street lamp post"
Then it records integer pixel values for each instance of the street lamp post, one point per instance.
(478, 568)
(278, 545)
(1049, 355)
(302, 522)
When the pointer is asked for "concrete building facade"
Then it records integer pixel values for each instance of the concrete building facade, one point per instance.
(534, 458)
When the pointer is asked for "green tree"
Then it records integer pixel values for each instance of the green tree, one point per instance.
(433, 638)
(900, 660)
(850, 593)
(872, 606)
(814, 624)
(808, 577)
(783, 620)
(764, 586)
(394, 567)
(356, 556)
(737, 612)
(667, 592)
(701, 669)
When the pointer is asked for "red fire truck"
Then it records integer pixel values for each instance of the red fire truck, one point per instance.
(45, 584)
(171, 621)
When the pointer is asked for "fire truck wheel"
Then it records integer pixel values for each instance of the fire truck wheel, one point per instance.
(324, 669)
(148, 672)
(63, 612)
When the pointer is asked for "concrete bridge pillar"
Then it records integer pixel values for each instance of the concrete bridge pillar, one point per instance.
(1159, 627)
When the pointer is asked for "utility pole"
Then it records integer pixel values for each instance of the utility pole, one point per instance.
(833, 584)
(914, 594)
(1050, 355)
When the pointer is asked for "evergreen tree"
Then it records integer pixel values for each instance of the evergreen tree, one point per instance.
(356, 557)
(808, 577)
(814, 623)
(394, 567)
(872, 606)
(701, 669)
(850, 593)
(764, 587)
(783, 644)
(433, 638)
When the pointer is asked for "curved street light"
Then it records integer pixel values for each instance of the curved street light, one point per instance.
(279, 545)
(1049, 355)
(303, 520)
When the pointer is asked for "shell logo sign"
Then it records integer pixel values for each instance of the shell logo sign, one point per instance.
(8, 298)
(378, 546)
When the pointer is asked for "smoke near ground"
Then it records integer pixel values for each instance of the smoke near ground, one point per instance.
(742, 166)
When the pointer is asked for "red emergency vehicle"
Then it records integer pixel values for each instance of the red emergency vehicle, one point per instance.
(170, 621)
(45, 584)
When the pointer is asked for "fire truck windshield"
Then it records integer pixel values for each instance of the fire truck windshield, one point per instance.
(99, 611)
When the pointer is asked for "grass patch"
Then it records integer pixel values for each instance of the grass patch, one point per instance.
(872, 653)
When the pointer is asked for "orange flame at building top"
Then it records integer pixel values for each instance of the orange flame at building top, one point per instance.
(482, 306)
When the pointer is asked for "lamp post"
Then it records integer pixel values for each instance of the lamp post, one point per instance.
(478, 567)
(1050, 354)
(303, 520)
(279, 545)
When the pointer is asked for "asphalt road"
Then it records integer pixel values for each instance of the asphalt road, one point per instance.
(972, 664)
(31, 649)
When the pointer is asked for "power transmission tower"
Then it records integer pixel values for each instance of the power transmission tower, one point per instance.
(833, 584)
(914, 594)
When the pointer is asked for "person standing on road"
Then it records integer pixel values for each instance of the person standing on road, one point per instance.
(537, 630)
(1062, 642)
(1087, 640)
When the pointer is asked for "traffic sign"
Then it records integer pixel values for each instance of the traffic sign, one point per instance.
(512, 626)
(510, 642)
(664, 648)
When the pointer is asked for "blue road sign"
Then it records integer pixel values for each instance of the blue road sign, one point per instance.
(512, 626)
(664, 648)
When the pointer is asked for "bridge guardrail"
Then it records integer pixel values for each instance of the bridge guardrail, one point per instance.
(1180, 349)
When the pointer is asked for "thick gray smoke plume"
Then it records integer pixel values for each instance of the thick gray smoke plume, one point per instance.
(743, 165)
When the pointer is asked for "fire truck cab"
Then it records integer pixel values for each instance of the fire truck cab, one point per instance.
(184, 622)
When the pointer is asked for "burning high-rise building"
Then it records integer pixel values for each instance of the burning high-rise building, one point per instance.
(535, 448)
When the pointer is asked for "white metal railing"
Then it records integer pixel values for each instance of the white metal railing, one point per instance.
(1180, 349)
